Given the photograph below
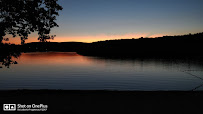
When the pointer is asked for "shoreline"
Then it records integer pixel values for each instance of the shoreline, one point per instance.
(105, 101)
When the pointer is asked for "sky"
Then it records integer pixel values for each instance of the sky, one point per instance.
(95, 20)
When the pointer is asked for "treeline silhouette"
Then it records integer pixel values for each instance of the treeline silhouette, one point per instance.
(51, 46)
(183, 44)
(166, 45)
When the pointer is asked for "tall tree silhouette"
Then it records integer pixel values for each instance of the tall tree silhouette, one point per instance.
(22, 17)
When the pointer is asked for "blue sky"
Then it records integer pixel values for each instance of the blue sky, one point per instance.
(93, 20)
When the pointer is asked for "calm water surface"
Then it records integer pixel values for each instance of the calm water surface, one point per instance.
(70, 71)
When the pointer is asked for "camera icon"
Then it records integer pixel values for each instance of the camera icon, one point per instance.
(9, 107)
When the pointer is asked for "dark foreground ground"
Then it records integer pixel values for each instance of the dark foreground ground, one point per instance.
(126, 102)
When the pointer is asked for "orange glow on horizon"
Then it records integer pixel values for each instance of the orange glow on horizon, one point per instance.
(87, 39)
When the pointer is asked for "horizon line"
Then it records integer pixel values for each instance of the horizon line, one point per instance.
(110, 39)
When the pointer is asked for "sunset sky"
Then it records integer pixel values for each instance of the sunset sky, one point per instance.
(93, 20)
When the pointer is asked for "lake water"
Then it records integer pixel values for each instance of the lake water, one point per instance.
(70, 71)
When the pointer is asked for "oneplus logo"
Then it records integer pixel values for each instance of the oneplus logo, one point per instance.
(9, 107)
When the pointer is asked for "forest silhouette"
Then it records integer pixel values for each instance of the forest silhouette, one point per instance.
(184, 46)
(190, 44)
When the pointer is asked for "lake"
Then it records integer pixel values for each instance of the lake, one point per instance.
(71, 71)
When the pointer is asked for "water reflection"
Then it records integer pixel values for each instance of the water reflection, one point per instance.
(63, 70)
(191, 66)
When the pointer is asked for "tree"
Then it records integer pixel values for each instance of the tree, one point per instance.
(22, 17)
(6, 58)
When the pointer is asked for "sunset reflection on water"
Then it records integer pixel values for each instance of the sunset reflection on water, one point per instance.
(55, 58)
(71, 71)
